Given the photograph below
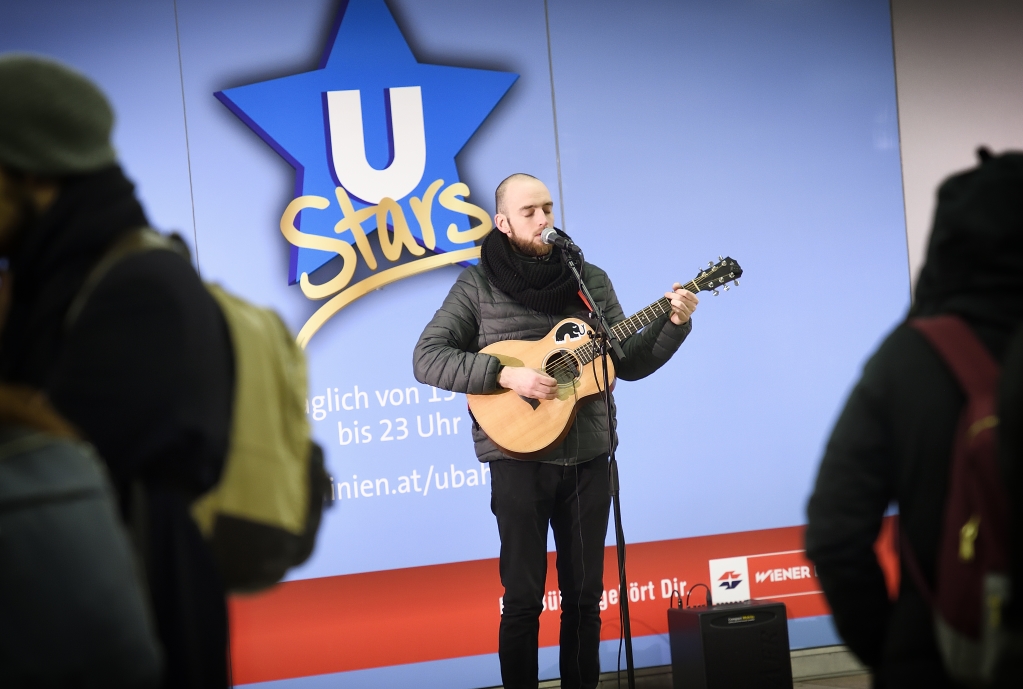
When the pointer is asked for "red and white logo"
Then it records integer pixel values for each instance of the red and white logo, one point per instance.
(729, 580)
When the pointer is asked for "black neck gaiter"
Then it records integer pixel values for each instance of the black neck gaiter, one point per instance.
(547, 286)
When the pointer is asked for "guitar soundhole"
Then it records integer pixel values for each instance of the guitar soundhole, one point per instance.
(562, 366)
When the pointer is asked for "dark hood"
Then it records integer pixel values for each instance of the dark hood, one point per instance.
(975, 256)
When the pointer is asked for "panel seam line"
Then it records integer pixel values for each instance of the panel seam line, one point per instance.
(902, 162)
(554, 112)
(188, 148)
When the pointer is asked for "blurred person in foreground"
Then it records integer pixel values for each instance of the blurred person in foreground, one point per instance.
(144, 369)
(893, 441)
(72, 609)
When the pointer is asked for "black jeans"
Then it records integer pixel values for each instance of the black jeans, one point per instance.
(574, 500)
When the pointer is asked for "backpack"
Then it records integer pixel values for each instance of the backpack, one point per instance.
(72, 609)
(262, 517)
(971, 576)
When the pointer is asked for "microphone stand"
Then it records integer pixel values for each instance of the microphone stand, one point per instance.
(604, 337)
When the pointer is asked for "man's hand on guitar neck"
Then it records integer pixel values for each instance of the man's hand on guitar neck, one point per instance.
(683, 303)
(528, 382)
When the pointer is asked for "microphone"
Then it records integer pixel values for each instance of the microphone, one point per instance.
(551, 236)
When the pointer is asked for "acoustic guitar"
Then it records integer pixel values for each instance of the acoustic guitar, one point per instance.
(525, 428)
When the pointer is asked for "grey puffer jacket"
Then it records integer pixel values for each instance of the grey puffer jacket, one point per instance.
(476, 314)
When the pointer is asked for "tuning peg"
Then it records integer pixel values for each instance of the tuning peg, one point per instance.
(710, 264)
(714, 292)
(735, 282)
(720, 259)
(726, 288)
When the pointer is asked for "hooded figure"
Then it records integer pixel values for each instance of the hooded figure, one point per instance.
(144, 370)
(893, 441)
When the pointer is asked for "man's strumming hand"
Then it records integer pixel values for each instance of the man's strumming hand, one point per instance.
(528, 382)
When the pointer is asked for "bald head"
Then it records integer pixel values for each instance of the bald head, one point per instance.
(502, 189)
(524, 210)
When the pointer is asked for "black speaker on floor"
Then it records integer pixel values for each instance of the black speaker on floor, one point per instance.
(730, 646)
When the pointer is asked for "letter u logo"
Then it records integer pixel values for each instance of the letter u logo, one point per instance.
(348, 144)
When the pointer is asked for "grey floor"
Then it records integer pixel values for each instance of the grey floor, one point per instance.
(833, 667)
(660, 678)
(861, 681)
(663, 681)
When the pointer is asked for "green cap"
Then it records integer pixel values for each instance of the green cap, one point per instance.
(53, 119)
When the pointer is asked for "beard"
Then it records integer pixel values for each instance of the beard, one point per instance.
(528, 248)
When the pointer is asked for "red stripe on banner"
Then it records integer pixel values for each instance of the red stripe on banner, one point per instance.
(395, 617)
(887, 550)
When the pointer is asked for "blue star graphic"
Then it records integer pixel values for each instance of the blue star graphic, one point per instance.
(298, 117)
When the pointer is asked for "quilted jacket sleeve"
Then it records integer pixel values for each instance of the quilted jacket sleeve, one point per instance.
(445, 356)
(651, 347)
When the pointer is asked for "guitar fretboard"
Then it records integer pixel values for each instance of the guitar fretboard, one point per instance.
(634, 323)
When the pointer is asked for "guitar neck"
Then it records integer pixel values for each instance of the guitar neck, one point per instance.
(633, 324)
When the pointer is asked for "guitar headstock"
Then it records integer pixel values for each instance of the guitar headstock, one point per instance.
(716, 275)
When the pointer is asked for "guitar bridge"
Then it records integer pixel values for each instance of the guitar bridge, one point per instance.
(534, 403)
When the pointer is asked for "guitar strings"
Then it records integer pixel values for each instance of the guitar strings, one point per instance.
(585, 354)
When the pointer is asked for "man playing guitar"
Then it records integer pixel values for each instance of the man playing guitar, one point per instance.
(519, 291)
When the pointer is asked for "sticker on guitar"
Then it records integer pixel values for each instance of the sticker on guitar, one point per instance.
(569, 331)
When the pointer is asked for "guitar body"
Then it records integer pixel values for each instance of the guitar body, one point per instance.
(526, 428)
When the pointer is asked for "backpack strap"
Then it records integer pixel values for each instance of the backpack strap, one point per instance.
(969, 360)
(977, 373)
(131, 242)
